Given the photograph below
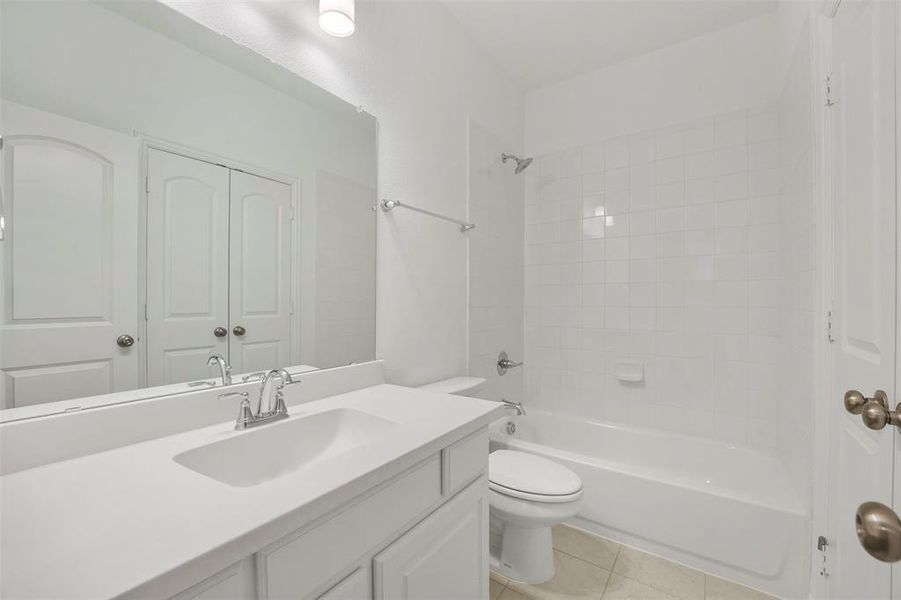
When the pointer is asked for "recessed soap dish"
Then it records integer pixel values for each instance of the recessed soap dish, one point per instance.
(630, 371)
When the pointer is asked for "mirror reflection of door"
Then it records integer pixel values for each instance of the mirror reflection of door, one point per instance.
(260, 307)
(218, 269)
(187, 266)
(68, 263)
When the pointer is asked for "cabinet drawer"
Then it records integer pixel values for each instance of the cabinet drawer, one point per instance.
(297, 566)
(465, 460)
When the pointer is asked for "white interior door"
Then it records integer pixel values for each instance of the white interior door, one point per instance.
(865, 271)
(187, 266)
(69, 262)
(260, 273)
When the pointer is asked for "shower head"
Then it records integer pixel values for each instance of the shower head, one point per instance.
(521, 163)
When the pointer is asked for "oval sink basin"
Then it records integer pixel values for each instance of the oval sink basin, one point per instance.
(260, 455)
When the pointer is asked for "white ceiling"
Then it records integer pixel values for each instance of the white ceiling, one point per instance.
(540, 42)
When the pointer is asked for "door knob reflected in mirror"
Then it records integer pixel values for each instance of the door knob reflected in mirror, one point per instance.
(875, 411)
(125, 341)
(238, 330)
(879, 531)
(220, 332)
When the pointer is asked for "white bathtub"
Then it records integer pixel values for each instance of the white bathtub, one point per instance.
(720, 508)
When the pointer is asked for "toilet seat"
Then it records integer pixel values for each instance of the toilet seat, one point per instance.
(533, 478)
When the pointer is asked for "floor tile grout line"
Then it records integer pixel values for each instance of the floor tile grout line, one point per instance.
(606, 583)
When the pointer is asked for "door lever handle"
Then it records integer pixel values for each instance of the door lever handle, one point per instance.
(875, 411)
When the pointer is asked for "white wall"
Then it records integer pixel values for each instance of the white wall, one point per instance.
(725, 70)
(411, 65)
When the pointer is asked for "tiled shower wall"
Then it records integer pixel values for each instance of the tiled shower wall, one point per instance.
(662, 251)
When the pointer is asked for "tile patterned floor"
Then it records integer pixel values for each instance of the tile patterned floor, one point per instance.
(590, 567)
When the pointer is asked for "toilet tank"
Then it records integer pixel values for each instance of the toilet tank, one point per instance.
(458, 386)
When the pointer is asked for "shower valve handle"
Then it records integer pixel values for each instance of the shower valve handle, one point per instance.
(875, 411)
(504, 363)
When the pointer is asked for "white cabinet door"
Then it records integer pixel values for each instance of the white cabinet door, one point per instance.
(863, 163)
(69, 266)
(444, 556)
(187, 266)
(260, 273)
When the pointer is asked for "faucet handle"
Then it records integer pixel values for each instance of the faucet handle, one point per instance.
(280, 407)
(245, 414)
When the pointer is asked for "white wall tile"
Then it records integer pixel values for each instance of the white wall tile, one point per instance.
(642, 147)
(617, 153)
(667, 247)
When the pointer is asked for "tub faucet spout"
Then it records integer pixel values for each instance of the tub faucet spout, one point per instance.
(517, 406)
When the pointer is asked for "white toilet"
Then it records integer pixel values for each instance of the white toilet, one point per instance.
(528, 494)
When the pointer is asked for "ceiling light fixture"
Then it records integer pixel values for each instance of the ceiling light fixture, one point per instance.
(336, 17)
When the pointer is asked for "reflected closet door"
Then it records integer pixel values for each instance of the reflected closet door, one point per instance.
(187, 267)
(68, 265)
(260, 291)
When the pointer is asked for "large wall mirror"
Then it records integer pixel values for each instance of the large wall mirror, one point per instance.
(168, 196)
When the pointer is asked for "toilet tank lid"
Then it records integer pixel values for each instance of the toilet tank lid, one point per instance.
(454, 385)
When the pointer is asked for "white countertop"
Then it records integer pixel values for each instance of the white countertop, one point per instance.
(131, 520)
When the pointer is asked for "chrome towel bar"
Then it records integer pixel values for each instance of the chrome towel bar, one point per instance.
(392, 204)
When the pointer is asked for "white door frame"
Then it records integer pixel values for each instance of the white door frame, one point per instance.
(148, 143)
(823, 409)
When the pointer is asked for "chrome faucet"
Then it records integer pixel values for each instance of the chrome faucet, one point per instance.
(269, 406)
(517, 406)
(269, 402)
(225, 369)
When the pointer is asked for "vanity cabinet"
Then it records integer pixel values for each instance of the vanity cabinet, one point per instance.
(422, 533)
(234, 583)
(444, 556)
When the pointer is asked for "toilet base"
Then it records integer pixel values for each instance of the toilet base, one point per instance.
(525, 554)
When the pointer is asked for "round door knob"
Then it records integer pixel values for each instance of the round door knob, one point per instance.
(879, 531)
(220, 332)
(238, 330)
(854, 402)
(875, 416)
(125, 341)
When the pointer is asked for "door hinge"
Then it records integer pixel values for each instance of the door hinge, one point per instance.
(147, 185)
(146, 317)
(823, 548)
(827, 90)
(829, 337)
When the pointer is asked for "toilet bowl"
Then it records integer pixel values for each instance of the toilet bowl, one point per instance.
(527, 495)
